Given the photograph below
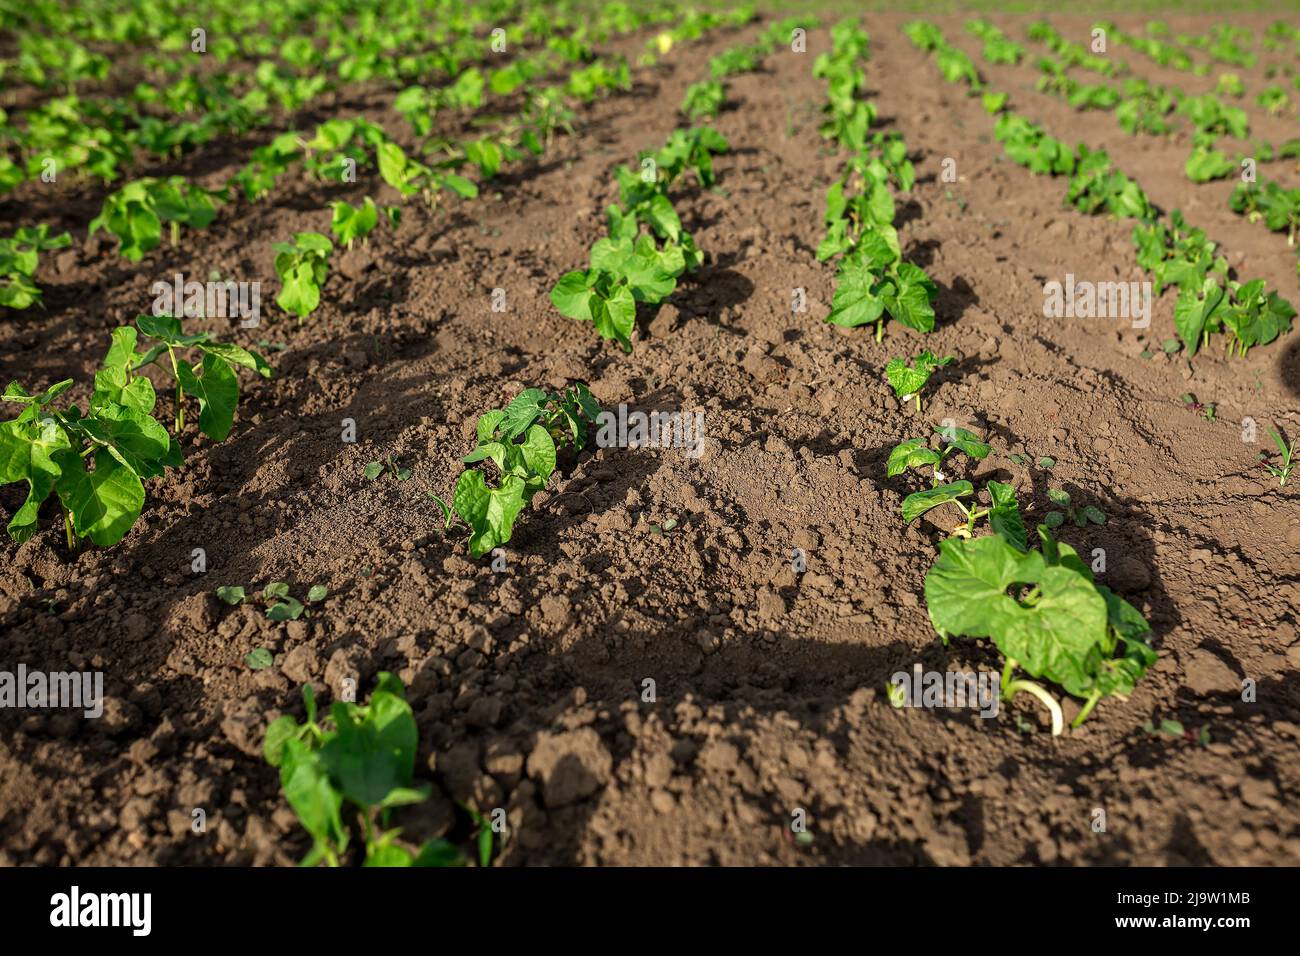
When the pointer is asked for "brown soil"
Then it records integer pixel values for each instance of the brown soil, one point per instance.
(527, 684)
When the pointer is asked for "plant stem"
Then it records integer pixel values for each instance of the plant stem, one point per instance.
(1087, 708)
(880, 331)
(366, 828)
(180, 408)
(67, 528)
(1046, 699)
(918, 401)
(1007, 669)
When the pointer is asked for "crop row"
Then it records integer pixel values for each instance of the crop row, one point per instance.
(134, 213)
(1177, 255)
(95, 460)
(872, 279)
(636, 265)
(1140, 106)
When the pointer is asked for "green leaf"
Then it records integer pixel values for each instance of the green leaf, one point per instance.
(307, 787)
(1004, 515)
(911, 302)
(105, 502)
(114, 383)
(163, 327)
(964, 441)
(300, 293)
(236, 355)
(135, 439)
(572, 294)
(857, 299)
(217, 391)
(446, 509)
(387, 855)
(907, 380)
(27, 453)
(650, 272)
(373, 470)
(288, 609)
(1119, 675)
(918, 503)
(913, 453)
(1054, 634)
(259, 659)
(278, 733)
(490, 513)
(1205, 164)
(350, 223)
(439, 853)
(521, 413)
(460, 186)
(318, 592)
(538, 450)
(615, 316)
(372, 756)
(1193, 310)
(488, 424)
(231, 595)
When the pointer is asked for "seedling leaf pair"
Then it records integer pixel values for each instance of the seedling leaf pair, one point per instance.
(907, 380)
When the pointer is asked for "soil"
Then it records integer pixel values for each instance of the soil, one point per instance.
(528, 683)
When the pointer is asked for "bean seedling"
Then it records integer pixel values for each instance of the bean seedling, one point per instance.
(1046, 615)
(376, 468)
(212, 383)
(1003, 511)
(908, 380)
(19, 257)
(1080, 516)
(280, 606)
(522, 441)
(357, 763)
(302, 266)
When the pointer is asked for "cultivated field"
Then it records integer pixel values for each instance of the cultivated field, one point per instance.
(811, 341)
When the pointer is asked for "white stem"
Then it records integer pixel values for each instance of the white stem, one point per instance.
(1047, 700)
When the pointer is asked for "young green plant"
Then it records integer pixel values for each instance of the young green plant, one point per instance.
(1081, 516)
(523, 442)
(302, 266)
(1003, 510)
(1045, 613)
(907, 380)
(358, 763)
